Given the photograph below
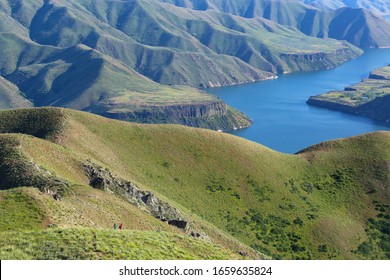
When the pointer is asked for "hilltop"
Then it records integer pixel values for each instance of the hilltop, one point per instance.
(330, 201)
(369, 98)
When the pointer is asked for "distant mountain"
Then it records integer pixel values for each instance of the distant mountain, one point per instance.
(380, 7)
(359, 27)
(112, 58)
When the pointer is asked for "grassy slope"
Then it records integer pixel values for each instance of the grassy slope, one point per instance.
(103, 244)
(85, 218)
(312, 205)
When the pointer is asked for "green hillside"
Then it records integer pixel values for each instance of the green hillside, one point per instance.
(100, 244)
(330, 201)
(83, 229)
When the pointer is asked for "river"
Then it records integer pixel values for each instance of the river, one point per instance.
(282, 119)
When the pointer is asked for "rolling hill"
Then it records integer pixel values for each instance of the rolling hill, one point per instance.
(330, 201)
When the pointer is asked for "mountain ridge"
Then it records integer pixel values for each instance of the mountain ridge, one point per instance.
(310, 20)
(130, 68)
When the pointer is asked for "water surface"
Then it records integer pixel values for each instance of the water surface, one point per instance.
(282, 119)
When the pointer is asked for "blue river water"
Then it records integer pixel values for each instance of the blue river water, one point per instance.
(282, 119)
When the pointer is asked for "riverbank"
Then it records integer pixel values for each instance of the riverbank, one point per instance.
(369, 98)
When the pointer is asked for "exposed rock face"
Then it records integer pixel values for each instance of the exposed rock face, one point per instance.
(377, 76)
(103, 179)
(320, 60)
(213, 115)
(182, 112)
(377, 109)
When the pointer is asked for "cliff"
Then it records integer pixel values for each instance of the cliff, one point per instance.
(318, 60)
(214, 115)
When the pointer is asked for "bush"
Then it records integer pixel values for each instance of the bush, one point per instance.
(298, 221)
(365, 248)
(323, 248)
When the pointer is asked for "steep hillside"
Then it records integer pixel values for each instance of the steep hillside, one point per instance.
(380, 7)
(173, 45)
(357, 26)
(80, 226)
(330, 201)
(370, 98)
(11, 97)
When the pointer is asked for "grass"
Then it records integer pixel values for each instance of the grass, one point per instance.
(315, 204)
(19, 211)
(104, 244)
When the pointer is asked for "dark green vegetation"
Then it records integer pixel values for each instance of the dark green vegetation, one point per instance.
(370, 98)
(330, 201)
(134, 60)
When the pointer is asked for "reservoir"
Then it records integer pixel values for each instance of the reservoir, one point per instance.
(284, 122)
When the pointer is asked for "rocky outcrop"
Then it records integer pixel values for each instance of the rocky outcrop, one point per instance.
(319, 102)
(212, 115)
(102, 179)
(377, 109)
(320, 60)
